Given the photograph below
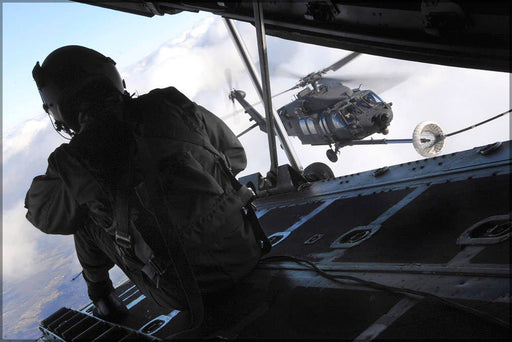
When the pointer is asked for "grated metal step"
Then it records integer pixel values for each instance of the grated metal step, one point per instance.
(71, 325)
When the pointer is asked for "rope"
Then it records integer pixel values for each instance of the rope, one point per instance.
(387, 288)
(478, 124)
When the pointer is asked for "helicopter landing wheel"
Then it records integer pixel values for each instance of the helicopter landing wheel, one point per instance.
(317, 171)
(332, 155)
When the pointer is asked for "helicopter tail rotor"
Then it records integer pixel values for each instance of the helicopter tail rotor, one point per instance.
(229, 81)
(232, 94)
(428, 138)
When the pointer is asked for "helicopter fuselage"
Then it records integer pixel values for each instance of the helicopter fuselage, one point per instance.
(330, 113)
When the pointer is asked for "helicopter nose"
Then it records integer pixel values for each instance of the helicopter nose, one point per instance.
(383, 119)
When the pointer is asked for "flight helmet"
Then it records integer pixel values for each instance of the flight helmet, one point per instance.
(65, 74)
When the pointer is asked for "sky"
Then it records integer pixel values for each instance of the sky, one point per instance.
(192, 52)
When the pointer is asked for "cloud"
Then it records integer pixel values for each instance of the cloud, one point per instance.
(26, 149)
(21, 137)
(189, 62)
(19, 244)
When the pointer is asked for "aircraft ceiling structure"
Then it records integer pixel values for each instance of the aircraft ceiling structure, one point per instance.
(470, 34)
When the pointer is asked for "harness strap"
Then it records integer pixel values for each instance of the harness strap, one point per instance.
(121, 222)
(132, 248)
(174, 250)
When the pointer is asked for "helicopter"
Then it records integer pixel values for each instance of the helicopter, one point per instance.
(327, 112)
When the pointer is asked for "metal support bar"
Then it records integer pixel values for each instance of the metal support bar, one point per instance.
(265, 80)
(244, 54)
(279, 129)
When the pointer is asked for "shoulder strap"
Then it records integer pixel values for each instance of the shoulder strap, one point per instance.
(121, 209)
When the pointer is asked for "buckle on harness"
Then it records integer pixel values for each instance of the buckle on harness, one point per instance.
(249, 208)
(156, 268)
(246, 195)
(157, 265)
(123, 240)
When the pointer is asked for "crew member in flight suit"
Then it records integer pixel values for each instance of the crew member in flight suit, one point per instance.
(98, 186)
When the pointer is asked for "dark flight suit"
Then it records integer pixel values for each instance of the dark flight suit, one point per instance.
(215, 233)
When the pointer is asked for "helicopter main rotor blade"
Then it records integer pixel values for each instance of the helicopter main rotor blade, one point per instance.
(285, 91)
(377, 83)
(284, 72)
(340, 79)
(341, 62)
(386, 83)
(310, 78)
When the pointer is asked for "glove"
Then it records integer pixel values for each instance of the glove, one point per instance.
(107, 305)
(110, 307)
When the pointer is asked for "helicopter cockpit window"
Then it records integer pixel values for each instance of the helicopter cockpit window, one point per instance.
(352, 109)
(348, 114)
(372, 98)
(337, 119)
(363, 103)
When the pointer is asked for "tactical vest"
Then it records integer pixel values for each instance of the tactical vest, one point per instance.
(181, 197)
